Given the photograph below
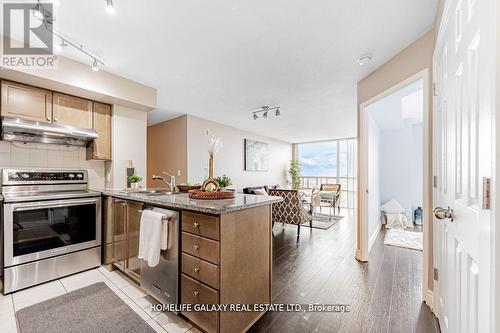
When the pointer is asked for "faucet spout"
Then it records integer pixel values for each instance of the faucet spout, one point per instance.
(171, 184)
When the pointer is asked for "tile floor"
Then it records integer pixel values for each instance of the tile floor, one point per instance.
(122, 286)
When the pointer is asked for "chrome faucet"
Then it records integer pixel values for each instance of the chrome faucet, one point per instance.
(170, 184)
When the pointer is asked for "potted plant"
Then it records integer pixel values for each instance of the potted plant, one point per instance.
(295, 174)
(134, 181)
(224, 181)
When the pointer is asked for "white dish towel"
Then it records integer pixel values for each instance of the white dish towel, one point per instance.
(153, 235)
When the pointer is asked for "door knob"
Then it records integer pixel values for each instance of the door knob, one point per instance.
(444, 213)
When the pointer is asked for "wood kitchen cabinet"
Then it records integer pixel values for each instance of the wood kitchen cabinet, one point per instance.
(100, 148)
(126, 218)
(71, 110)
(221, 264)
(26, 102)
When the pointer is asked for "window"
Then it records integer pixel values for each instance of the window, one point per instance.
(330, 162)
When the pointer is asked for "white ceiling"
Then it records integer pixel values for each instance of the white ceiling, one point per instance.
(222, 59)
(404, 105)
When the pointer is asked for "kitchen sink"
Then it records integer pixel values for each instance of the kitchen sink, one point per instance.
(156, 191)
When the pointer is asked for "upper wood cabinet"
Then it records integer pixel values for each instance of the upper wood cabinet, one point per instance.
(100, 148)
(71, 110)
(26, 102)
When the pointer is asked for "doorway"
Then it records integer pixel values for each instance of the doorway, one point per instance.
(414, 94)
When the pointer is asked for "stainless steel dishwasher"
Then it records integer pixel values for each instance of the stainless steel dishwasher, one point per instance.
(162, 281)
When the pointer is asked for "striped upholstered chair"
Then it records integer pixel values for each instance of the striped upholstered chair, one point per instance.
(291, 209)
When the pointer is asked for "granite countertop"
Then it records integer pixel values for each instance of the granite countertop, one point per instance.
(182, 201)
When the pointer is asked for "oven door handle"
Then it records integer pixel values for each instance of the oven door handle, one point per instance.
(40, 205)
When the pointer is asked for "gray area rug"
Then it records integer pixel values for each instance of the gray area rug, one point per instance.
(404, 238)
(322, 221)
(95, 308)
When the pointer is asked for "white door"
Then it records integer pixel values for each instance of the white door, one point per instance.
(464, 62)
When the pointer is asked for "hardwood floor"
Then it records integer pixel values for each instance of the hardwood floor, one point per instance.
(319, 267)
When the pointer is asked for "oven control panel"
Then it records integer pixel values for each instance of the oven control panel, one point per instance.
(23, 176)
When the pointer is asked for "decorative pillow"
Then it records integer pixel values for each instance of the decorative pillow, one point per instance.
(392, 206)
(260, 191)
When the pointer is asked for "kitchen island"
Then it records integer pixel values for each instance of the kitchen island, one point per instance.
(225, 251)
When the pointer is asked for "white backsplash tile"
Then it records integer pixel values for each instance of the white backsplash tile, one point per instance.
(20, 160)
(37, 155)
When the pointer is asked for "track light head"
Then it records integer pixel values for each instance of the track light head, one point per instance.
(278, 113)
(255, 116)
(95, 66)
(110, 8)
(264, 114)
(60, 47)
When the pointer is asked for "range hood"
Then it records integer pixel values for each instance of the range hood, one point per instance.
(15, 129)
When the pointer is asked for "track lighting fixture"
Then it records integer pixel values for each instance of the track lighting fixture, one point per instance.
(110, 8)
(47, 19)
(265, 111)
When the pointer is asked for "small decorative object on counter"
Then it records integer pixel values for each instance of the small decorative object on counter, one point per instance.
(188, 187)
(418, 216)
(210, 185)
(134, 181)
(224, 181)
(130, 172)
(210, 190)
(214, 145)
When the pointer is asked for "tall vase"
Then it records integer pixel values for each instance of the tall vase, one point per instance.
(211, 168)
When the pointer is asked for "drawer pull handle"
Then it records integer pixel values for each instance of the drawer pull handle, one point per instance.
(196, 269)
(196, 224)
(196, 247)
(195, 293)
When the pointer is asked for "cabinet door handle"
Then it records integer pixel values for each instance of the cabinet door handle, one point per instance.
(196, 269)
(196, 224)
(55, 119)
(196, 293)
(196, 247)
(48, 118)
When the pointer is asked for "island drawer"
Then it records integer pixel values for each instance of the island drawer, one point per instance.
(200, 270)
(200, 247)
(193, 292)
(201, 224)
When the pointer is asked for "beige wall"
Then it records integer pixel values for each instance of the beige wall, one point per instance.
(167, 150)
(128, 143)
(230, 160)
(413, 59)
(408, 62)
(180, 146)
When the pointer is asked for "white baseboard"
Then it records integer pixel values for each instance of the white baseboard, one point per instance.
(374, 237)
(429, 299)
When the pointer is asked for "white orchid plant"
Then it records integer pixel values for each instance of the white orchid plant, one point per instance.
(214, 144)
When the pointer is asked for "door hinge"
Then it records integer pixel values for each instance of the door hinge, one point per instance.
(434, 92)
(486, 193)
(436, 274)
(435, 181)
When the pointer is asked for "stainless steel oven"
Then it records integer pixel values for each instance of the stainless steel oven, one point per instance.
(51, 226)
